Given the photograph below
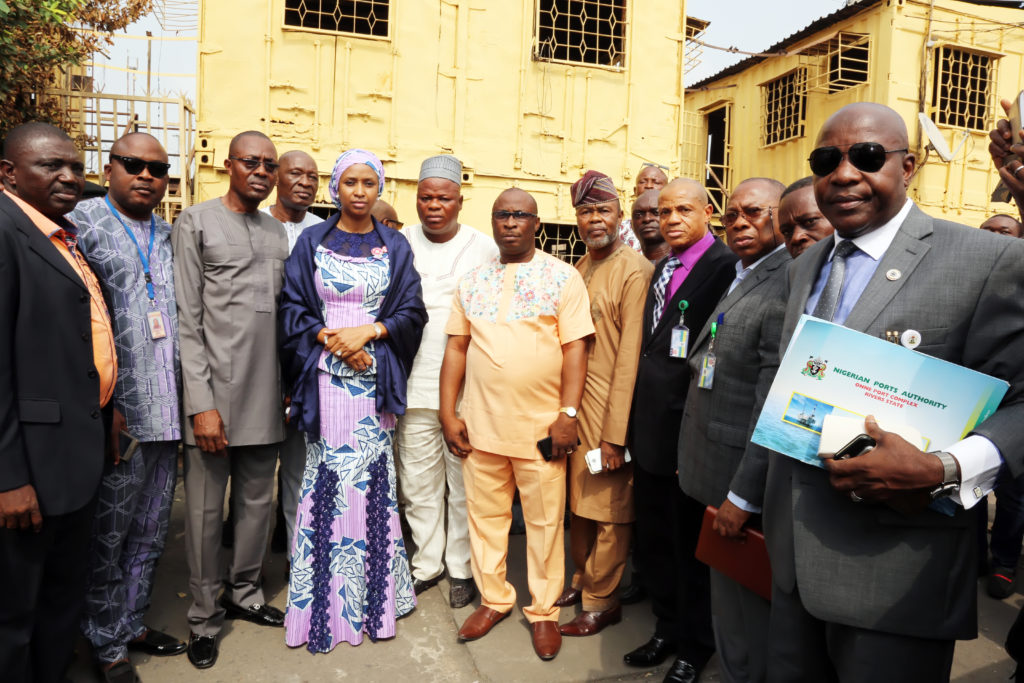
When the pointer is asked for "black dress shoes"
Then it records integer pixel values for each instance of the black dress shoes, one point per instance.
(120, 672)
(263, 615)
(202, 651)
(633, 593)
(157, 643)
(681, 671)
(419, 585)
(652, 653)
(462, 593)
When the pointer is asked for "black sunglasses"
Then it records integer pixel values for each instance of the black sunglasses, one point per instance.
(516, 215)
(134, 166)
(865, 156)
(252, 164)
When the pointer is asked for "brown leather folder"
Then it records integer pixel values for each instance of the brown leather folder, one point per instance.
(744, 561)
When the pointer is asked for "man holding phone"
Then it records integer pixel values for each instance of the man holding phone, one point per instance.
(517, 335)
(601, 498)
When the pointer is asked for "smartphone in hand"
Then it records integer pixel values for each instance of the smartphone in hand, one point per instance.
(861, 444)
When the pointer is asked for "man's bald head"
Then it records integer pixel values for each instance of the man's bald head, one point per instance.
(772, 185)
(128, 140)
(861, 191)
(233, 146)
(691, 187)
(684, 213)
(298, 156)
(26, 133)
(518, 195)
(386, 214)
(650, 177)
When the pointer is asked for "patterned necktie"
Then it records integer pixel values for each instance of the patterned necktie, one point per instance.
(661, 287)
(829, 300)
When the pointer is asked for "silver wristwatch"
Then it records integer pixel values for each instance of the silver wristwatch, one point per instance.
(950, 476)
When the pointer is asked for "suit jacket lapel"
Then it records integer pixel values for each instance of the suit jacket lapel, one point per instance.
(804, 274)
(750, 283)
(38, 242)
(902, 256)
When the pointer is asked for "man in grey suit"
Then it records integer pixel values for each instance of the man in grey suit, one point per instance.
(867, 577)
(228, 272)
(718, 465)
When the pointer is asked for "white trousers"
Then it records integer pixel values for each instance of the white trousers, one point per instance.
(425, 469)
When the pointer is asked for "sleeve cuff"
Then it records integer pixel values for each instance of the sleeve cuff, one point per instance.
(980, 462)
(742, 504)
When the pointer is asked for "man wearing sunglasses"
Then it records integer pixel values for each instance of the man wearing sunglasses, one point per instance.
(129, 249)
(228, 271)
(868, 575)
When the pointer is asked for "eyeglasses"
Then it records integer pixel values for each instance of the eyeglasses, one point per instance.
(394, 225)
(134, 166)
(865, 156)
(252, 164)
(517, 216)
(753, 214)
(651, 163)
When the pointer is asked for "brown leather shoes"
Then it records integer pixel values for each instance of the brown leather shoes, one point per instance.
(570, 596)
(547, 641)
(479, 623)
(589, 623)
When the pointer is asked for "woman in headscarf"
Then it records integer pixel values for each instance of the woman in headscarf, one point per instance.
(351, 316)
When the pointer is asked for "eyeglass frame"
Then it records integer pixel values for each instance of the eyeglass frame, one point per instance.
(517, 216)
(162, 167)
(728, 223)
(252, 164)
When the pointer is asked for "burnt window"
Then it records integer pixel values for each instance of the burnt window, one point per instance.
(582, 31)
(361, 17)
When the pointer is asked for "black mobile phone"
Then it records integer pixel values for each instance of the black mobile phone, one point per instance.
(861, 444)
(544, 446)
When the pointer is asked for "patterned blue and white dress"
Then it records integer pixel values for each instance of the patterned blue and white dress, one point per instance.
(350, 573)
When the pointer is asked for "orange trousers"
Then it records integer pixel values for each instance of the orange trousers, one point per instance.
(491, 481)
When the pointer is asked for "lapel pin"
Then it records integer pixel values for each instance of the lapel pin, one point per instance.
(911, 339)
(893, 275)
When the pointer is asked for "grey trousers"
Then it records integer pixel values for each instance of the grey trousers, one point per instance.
(802, 648)
(740, 620)
(293, 465)
(251, 470)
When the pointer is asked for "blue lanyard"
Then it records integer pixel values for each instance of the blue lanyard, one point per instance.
(150, 290)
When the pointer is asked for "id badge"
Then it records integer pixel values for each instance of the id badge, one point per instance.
(156, 325)
(706, 380)
(679, 342)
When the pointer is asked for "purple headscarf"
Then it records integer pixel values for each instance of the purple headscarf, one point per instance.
(351, 158)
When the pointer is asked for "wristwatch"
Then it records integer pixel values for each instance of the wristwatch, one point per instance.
(950, 476)
(568, 410)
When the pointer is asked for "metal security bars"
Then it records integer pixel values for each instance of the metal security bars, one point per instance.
(361, 17)
(962, 89)
(838, 63)
(561, 240)
(784, 107)
(582, 31)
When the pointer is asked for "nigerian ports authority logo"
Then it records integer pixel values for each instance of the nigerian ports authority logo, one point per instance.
(815, 368)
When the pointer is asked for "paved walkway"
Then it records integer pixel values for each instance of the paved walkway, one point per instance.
(426, 649)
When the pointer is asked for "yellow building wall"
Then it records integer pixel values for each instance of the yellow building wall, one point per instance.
(452, 77)
(958, 190)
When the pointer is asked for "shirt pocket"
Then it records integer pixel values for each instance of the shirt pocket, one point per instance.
(270, 275)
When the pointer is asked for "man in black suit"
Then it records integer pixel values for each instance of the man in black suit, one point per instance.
(693, 277)
(56, 372)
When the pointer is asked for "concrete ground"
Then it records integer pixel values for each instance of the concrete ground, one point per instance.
(426, 649)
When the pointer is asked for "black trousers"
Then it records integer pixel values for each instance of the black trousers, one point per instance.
(667, 527)
(42, 591)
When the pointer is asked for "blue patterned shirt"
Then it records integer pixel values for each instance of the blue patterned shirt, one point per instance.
(148, 370)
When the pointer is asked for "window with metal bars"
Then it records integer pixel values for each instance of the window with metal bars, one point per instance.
(962, 88)
(361, 17)
(784, 107)
(582, 31)
(847, 62)
(561, 240)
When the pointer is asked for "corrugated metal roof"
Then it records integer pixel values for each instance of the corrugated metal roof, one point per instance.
(824, 22)
(815, 26)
